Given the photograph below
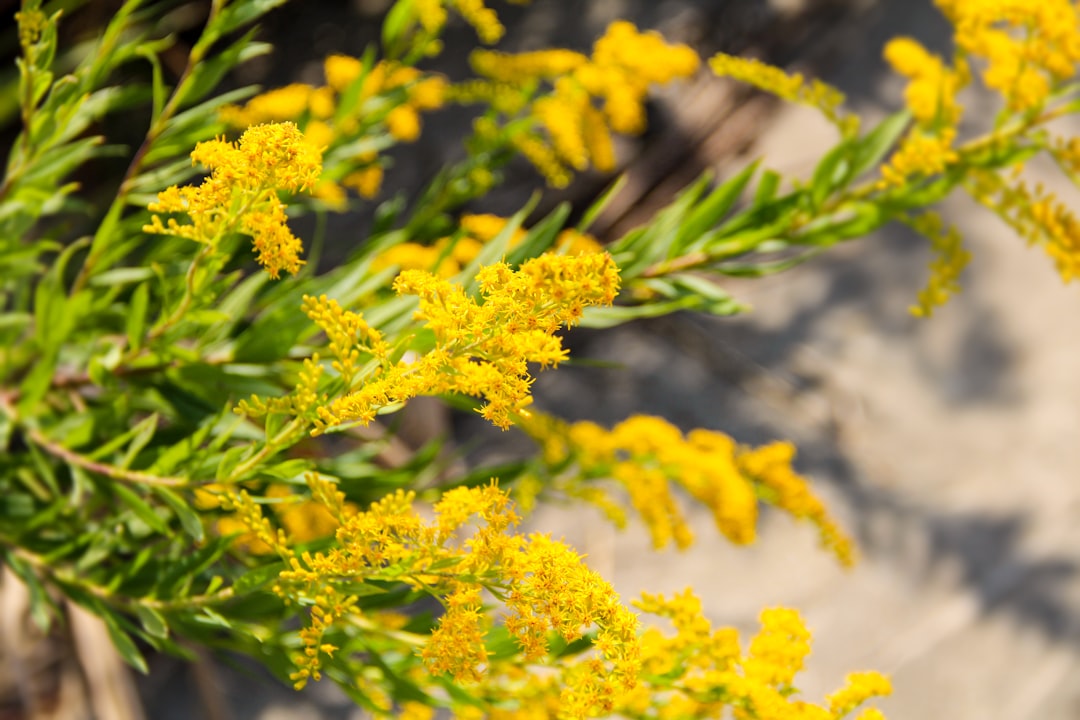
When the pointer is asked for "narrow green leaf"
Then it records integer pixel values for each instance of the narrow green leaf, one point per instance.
(125, 645)
(396, 24)
(141, 508)
(713, 208)
(144, 432)
(152, 621)
(767, 188)
(833, 172)
(189, 519)
(606, 317)
(135, 322)
(598, 205)
(209, 73)
(239, 14)
(870, 149)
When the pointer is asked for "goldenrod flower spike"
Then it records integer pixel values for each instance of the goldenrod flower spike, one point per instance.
(483, 348)
(241, 193)
(647, 456)
(793, 88)
(1029, 47)
(933, 85)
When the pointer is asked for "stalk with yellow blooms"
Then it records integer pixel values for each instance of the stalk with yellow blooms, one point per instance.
(191, 445)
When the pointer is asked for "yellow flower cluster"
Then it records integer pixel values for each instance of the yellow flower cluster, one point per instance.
(447, 256)
(319, 111)
(1036, 215)
(793, 88)
(1029, 47)
(298, 519)
(921, 154)
(769, 467)
(622, 66)
(645, 455)
(483, 348)
(349, 335)
(301, 402)
(241, 193)
(356, 100)
(467, 549)
(950, 259)
(32, 23)
(699, 671)
(432, 16)
(932, 84)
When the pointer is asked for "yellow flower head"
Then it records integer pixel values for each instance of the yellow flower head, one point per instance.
(484, 348)
(932, 86)
(240, 195)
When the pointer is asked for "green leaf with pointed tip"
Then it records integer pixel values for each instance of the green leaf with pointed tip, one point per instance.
(189, 519)
(152, 621)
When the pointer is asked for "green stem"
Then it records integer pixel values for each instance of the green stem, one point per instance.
(838, 203)
(116, 473)
(172, 105)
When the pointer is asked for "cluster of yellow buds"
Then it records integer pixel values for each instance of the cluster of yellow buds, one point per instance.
(950, 259)
(483, 348)
(357, 100)
(707, 669)
(791, 87)
(646, 456)
(1028, 47)
(241, 193)
(447, 256)
(469, 547)
(623, 65)
(432, 15)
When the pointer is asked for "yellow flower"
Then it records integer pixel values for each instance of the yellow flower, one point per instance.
(645, 455)
(920, 154)
(861, 686)
(241, 193)
(950, 259)
(403, 122)
(278, 105)
(777, 652)
(341, 71)
(623, 64)
(792, 88)
(483, 349)
(770, 467)
(1029, 47)
(932, 87)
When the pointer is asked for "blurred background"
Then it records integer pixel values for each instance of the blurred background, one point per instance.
(948, 446)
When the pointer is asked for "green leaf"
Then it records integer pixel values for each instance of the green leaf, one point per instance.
(189, 519)
(832, 173)
(42, 607)
(144, 432)
(135, 321)
(55, 315)
(210, 71)
(141, 508)
(871, 149)
(124, 644)
(606, 317)
(239, 14)
(229, 461)
(397, 23)
(152, 621)
(598, 205)
(713, 209)
(258, 578)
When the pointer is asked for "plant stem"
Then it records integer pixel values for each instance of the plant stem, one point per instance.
(116, 473)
